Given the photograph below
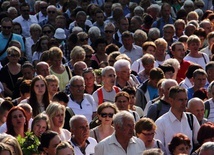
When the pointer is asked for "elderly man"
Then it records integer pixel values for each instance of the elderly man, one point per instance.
(196, 107)
(108, 91)
(80, 140)
(51, 13)
(207, 148)
(180, 122)
(42, 68)
(122, 141)
(79, 102)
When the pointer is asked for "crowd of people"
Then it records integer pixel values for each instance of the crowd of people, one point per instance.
(125, 77)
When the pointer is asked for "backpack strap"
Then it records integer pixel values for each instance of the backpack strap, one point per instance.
(68, 71)
(100, 96)
(190, 120)
(207, 109)
(158, 144)
(204, 58)
(159, 107)
(116, 89)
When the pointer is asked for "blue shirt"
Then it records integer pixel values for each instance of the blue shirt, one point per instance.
(153, 92)
(4, 41)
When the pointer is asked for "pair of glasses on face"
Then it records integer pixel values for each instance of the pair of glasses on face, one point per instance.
(148, 134)
(7, 27)
(105, 115)
(109, 31)
(47, 32)
(14, 55)
(83, 39)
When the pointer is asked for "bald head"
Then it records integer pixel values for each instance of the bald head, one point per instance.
(42, 68)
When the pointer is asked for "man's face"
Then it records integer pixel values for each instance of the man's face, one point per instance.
(199, 81)
(80, 130)
(198, 110)
(135, 24)
(81, 21)
(60, 23)
(127, 129)
(179, 29)
(43, 7)
(109, 32)
(179, 52)
(77, 88)
(207, 28)
(168, 33)
(122, 103)
(127, 42)
(124, 73)
(123, 25)
(179, 102)
(99, 18)
(109, 78)
(43, 70)
(52, 13)
(25, 12)
(166, 11)
(7, 28)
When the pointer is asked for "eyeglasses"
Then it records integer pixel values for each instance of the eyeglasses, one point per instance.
(105, 115)
(45, 7)
(148, 134)
(52, 12)
(14, 55)
(78, 86)
(122, 101)
(83, 39)
(48, 31)
(7, 27)
(109, 31)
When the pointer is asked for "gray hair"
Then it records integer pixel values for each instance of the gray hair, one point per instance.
(76, 78)
(207, 146)
(138, 9)
(153, 32)
(165, 82)
(192, 101)
(94, 32)
(153, 151)
(76, 118)
(107, 68)
(11, 8)
(27, 107)
(140, 34)
(118, 118)
(35, 27)
(121, 63)
(109, 24)
(174, 62)
(77, 29)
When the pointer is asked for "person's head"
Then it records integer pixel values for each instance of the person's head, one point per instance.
(56, 56)
(6, 26)
(43, 7)
(188, 6)
(108, 76)
(206, 25)
(122, 68)
(16, 119)
(178, 99)
(52, 83)
(48, 30)
(49, 141)
(56, 114)
(132, 92)
(135, 23)
(179, 27)
(140, 37)
(77, 54)
(81, 18)
(205, 133)
(112, 58)
(207, 148)
(165, 10)
(12, 12)
(100, 45)
(93, 33)
(77, 85)
(109, 30)
(25, 10)
(155, 75)
(127, 40)
(124, 125)
(153, 34)
(61, 97)
(145, 130)
(89, 77)
(178, 51)
(79, 67)
(4, 109)
(82, 38)
(13, 54)
(38, 86)
(175, 64)
(196, 107)
(210, 71)
(161, 45)
(168, 32)
(122, 100)
(123, 24)
(199, 78)
(79, 128)
(166, 85)
(106, 112)
(40, 124)
(149, 47)
(148, 61)
(51, 12)
(42, 68)
(35, 31)
(192, 15)
(153, 151)
(60, 21)
(179, 144)
(28, 110)
(28, 71)
(64, 148)
(42, 44)
(193, 43)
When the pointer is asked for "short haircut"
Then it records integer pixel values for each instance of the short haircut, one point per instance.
(207, 146)
(174, 45)
(206, 131)
(156, 74)
(209, 66)
(118, 119)
(174, 90)
(61, 96)
(199, 72)
(147, 44)
(145, 124)
(130, 90)
(64, 145)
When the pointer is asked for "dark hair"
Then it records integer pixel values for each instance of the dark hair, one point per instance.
(111, 48)
(167, 68)
(100, 40)
(27, 64)
(25, 86)
(10, 128)
(156, 73)
(174, 90)
(16, 23)
(200, 32)
(145, 124)
(178, 139)
(60, 96)
(201, 93)
(6, 19)
(191, 69)
(33, 99)
(5, 105)
(206, 131)
(130, 90)
(46, 138)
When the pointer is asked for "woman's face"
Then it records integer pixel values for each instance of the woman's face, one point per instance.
(89, 79)
(53, 87)
(39, 127)
(51, 150)
(181, 149)
(56, 62)
(44, 44)
(39, 87)
(150, 50)
(194, 47)
(58, 119)
(47, 31)
(18, 119)
(122, 103)
(147, 136)
(13, 57)
(17, 29)
(106, 115)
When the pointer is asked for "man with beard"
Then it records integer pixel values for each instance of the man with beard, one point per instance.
(79, 102)
(80, 140)
(122, 141)
(108, 91)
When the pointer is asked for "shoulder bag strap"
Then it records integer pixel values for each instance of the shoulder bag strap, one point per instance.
(4, 50)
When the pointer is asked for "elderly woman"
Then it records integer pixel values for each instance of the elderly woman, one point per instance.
(82, 38)
(140, 37)
(61, 71)
(56, 114)
(35, 32)
(194, 55)
(11, 71)
(145, 130)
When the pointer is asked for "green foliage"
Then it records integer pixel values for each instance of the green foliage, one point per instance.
(29, 144)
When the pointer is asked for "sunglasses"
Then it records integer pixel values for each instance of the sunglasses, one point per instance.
(109, 31)
(6, 27)
(14, 55)
(45, 32)
(25, 10)
(43, 7)
(105, 115)
(88, 56)
(148, 134)
(83, 39)
(53, 12)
